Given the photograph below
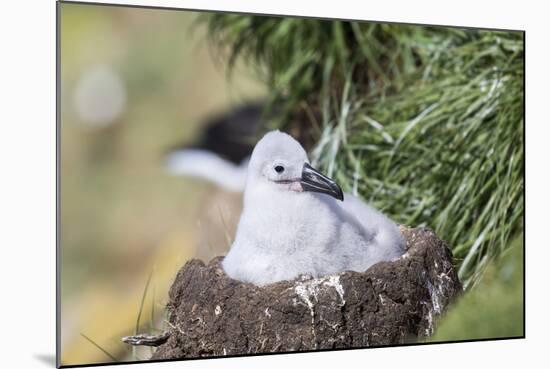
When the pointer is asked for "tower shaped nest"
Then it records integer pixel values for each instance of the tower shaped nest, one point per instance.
(391, 303)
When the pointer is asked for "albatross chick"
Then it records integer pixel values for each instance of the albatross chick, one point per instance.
(297, 221)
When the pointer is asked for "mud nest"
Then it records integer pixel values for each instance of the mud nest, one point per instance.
(391, 303)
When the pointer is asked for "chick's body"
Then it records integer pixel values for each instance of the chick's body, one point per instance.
(284, 232)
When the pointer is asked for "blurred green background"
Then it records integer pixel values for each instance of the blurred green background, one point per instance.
(134, 82)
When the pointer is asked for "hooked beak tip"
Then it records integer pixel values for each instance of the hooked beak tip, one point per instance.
(314, 181)
(340, 194)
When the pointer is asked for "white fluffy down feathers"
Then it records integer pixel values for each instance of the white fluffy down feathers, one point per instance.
(286, 231)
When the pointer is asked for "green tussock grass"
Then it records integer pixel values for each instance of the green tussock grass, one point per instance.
(426, 123)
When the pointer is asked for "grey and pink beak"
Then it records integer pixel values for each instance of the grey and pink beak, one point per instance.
(314, 181)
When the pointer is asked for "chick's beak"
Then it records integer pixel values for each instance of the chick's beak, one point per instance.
(314, 181)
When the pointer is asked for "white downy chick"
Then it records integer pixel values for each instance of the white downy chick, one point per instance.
(297, 221)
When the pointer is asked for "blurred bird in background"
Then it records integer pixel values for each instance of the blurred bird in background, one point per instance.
(221, 153)
(220, 156)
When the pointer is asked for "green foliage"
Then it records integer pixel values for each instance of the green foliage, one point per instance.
(299, 57)
(495, 309)
(424, 122)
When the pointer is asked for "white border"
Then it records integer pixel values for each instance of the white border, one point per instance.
(27, 196)
(509, 16)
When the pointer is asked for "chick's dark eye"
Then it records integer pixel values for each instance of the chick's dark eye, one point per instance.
(279, 169)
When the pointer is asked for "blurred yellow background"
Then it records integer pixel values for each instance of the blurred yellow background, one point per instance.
(134, 82)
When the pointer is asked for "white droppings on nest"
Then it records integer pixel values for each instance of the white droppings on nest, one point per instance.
(381, 299)
(436, 291)
(305, 293)
(334, 326)
(444, 276)
(267, 313)
(217, 310)
(224, 352)
(380, 283)
(309, 289)
(263, 344)
(176, 327)
(334, 281)
(429, 318)
(435, 297)
(430, 328)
